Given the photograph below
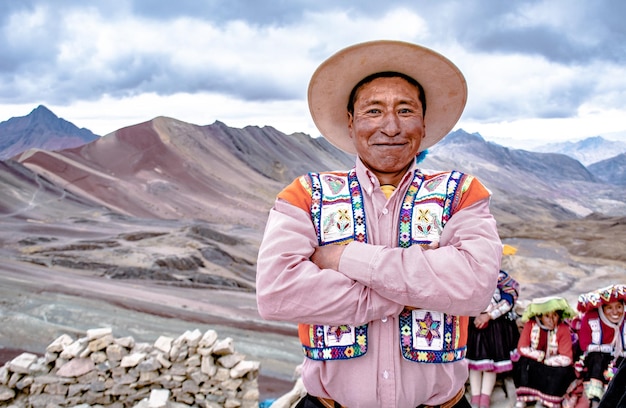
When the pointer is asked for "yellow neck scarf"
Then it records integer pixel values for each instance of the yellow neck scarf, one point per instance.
(388, 189)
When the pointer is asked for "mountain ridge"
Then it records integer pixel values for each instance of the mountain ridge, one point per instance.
(588, 151)
(42, 129)
(180, 170)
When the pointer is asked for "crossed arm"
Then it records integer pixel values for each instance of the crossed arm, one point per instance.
(356, 283)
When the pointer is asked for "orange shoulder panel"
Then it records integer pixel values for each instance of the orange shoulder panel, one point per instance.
(298, 193)
(472, 193)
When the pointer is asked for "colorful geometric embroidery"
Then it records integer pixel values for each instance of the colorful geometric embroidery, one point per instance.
(594, 299)
(327, 348)
(335, 183)
(424, 214)
(344, 341)
(423, 341)
(337, 212)
(338, 331)
(428, 328)
(426, 336)
(356, 195)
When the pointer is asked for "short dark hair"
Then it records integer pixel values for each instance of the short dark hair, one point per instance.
(387, 74)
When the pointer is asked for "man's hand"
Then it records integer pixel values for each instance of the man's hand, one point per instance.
(328, 256)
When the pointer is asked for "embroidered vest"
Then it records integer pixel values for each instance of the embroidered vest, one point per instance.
(552, 340)
(339, 217)
(596, 338)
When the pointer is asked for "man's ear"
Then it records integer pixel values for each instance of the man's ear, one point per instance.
(350, 123)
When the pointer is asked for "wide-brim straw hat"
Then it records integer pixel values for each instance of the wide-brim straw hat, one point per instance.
(543, 305)
(602, 296)
(330, 86)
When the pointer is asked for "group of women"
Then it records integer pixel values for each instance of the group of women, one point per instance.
(561, 357)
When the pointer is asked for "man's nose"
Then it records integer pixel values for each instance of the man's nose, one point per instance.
(390, 125)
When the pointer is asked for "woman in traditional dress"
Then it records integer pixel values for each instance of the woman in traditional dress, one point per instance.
(601, 337)
(492, 337)
(545, 366)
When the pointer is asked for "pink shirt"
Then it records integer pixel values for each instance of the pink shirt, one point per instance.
(373, 284)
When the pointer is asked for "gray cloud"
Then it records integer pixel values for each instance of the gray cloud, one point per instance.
(259, 51)
(33, 66)
(560, 31)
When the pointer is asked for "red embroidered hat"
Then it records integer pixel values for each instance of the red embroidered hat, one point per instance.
(330, 86)
(602, 296)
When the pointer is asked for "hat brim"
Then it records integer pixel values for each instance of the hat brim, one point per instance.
(330, 86)
(548, 304)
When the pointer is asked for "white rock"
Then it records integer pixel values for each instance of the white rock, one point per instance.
(74, 349)
(164, 344)
(208, 338)
(21, 363)
(93, 334)
(132, 360)
(115, 352)
(59, 344)
(230, 360)
(100, 343)
(223, 347)
(193, 337)
(4, 374)
(127, 342)
(6, 393)
(158, 398)
(243, 368)
(76, 367)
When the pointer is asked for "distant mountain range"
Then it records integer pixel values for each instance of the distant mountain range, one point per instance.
(40, 129)
(588, 151)
(168, 169)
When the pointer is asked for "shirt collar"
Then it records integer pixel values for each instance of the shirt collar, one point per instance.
(369, 181)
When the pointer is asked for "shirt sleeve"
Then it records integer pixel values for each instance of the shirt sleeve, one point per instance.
(458, 277)
(292, 288)
(565, 341)
(524, 337)
(501, 308)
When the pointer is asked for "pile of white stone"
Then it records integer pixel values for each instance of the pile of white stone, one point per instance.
(195, 369)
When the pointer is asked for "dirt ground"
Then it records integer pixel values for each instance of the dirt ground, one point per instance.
(38, 303)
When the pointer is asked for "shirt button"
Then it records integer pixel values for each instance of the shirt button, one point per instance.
(384, 319)
(385, 211)
(385, 374)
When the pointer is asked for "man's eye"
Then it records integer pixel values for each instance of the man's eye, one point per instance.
(405, 110)
(373, 110)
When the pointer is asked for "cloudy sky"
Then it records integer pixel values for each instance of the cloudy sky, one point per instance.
(537, 71)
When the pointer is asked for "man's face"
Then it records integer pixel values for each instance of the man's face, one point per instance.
(387, 126)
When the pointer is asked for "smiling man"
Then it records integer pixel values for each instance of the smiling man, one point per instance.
(381, 265)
